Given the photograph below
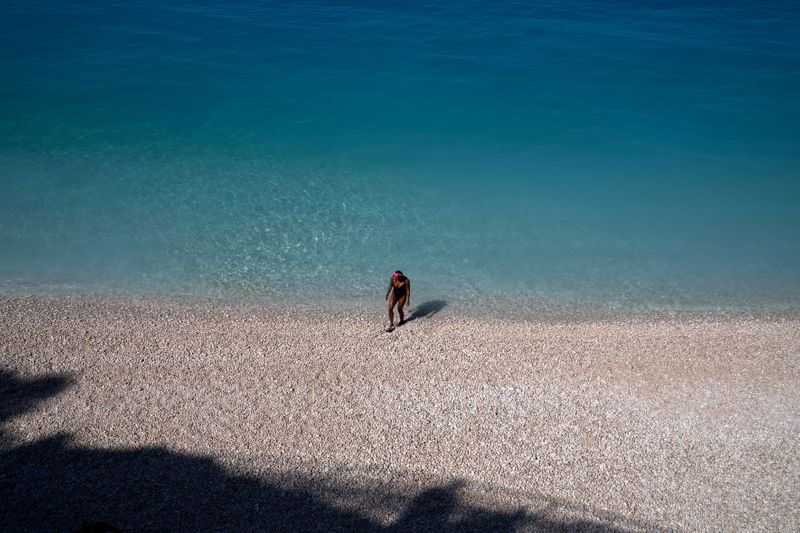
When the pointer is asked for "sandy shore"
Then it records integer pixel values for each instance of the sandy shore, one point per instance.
(197, 416)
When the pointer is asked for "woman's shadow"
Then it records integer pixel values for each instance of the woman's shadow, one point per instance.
(426, 309)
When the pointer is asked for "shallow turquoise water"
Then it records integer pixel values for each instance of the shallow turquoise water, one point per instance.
(599, 153)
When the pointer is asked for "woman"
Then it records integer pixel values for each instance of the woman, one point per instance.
(400, 288)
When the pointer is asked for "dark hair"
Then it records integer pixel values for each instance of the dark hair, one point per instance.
(399, 272)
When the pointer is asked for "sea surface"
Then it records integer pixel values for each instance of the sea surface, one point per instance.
(641, 154)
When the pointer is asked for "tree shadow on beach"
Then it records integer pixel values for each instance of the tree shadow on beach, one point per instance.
(19, 395)
(426, 309)
(53, 484)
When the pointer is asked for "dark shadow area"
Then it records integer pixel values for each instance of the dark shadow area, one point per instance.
(53, 485)
(426, 309)
(20, 395)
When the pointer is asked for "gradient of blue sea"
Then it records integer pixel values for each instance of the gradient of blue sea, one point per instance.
(623, 154)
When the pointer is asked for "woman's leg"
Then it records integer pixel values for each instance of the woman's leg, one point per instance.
(400, 304)
(392, 302)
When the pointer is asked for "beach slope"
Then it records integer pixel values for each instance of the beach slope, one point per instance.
(198, 415)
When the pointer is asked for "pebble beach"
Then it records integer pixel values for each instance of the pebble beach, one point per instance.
(186, 416)
(202, 205)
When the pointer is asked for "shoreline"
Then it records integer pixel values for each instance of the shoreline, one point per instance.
(652, 422)
(526, 309)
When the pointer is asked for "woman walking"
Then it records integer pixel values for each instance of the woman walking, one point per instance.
(400, 289)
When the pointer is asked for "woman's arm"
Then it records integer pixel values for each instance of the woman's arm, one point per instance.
(408, 296)
(388, 290)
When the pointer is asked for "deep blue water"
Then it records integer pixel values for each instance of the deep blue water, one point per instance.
(600, 153)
